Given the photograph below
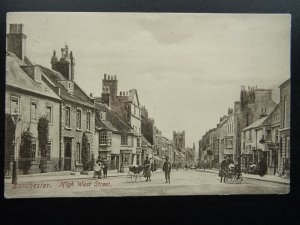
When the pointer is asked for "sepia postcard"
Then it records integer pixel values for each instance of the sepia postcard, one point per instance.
(146, 104)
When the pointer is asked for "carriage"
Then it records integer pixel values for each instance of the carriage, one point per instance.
(135, 173)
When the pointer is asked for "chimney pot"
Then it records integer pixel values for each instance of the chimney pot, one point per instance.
(105, 76)
(108, 77)
(115, 77)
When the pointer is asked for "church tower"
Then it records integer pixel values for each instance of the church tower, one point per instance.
(66, 63)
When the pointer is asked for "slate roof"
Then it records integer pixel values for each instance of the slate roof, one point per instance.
(113, 121)
(18, 78)
(78, 97)
(256, 123)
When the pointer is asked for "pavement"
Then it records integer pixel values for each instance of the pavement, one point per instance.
(64, 175)
(267, 178)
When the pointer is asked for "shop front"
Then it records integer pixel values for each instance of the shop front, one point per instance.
(126, 160)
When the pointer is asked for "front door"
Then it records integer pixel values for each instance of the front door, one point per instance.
(68, 154)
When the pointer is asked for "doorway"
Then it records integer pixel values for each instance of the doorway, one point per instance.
(68, 154)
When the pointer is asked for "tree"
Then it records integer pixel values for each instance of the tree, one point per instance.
(10, 129)
(25, 151)
(85, 153)
(43, 132)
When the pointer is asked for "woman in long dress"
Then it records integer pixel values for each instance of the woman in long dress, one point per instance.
(147, 170)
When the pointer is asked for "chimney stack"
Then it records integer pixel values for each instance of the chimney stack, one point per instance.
(16, 40)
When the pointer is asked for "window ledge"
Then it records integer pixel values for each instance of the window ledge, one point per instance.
(68, 128)
(88, 131)
(77, 129)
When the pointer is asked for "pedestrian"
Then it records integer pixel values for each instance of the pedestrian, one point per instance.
(105, 167)
(167, 169)
(204, 164)
(224, 168)
(186, 167)
(97, 170)
(147, 169)
(237, 167)
(177, 165)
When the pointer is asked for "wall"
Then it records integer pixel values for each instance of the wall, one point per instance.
(25, 106)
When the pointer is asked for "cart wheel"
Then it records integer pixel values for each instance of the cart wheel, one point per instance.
(129, 178)
(229, 180)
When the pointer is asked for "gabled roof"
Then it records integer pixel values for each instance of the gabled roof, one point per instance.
(78, 97)
(16, 77)
(113, 121)
(256, 123)
(271, 114)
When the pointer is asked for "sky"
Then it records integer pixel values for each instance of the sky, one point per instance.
(187, 68)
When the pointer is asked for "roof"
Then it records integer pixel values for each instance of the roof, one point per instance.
(113, 121)
(271, 114)
(144, 141)
(256, 123)
(16, 77)
(285, 82)
(78, 97)
(128, 98)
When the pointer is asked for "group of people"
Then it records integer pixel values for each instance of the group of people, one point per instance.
(227, 165)
(100, 168)
(167, 166)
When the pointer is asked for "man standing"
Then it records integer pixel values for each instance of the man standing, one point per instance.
(147, 169)
(167, 169)
(105, 167)
(223, 169)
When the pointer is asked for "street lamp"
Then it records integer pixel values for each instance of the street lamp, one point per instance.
(15, 118)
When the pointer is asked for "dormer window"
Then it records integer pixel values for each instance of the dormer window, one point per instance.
(71, 87)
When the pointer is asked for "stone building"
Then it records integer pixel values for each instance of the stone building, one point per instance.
(126, 104)
(179, 140)
(77, 111)
(28, 97)
(284, 132)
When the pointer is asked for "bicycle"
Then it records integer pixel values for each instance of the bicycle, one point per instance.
(232, 177)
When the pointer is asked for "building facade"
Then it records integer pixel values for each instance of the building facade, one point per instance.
(29, 98)
(77, 112)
